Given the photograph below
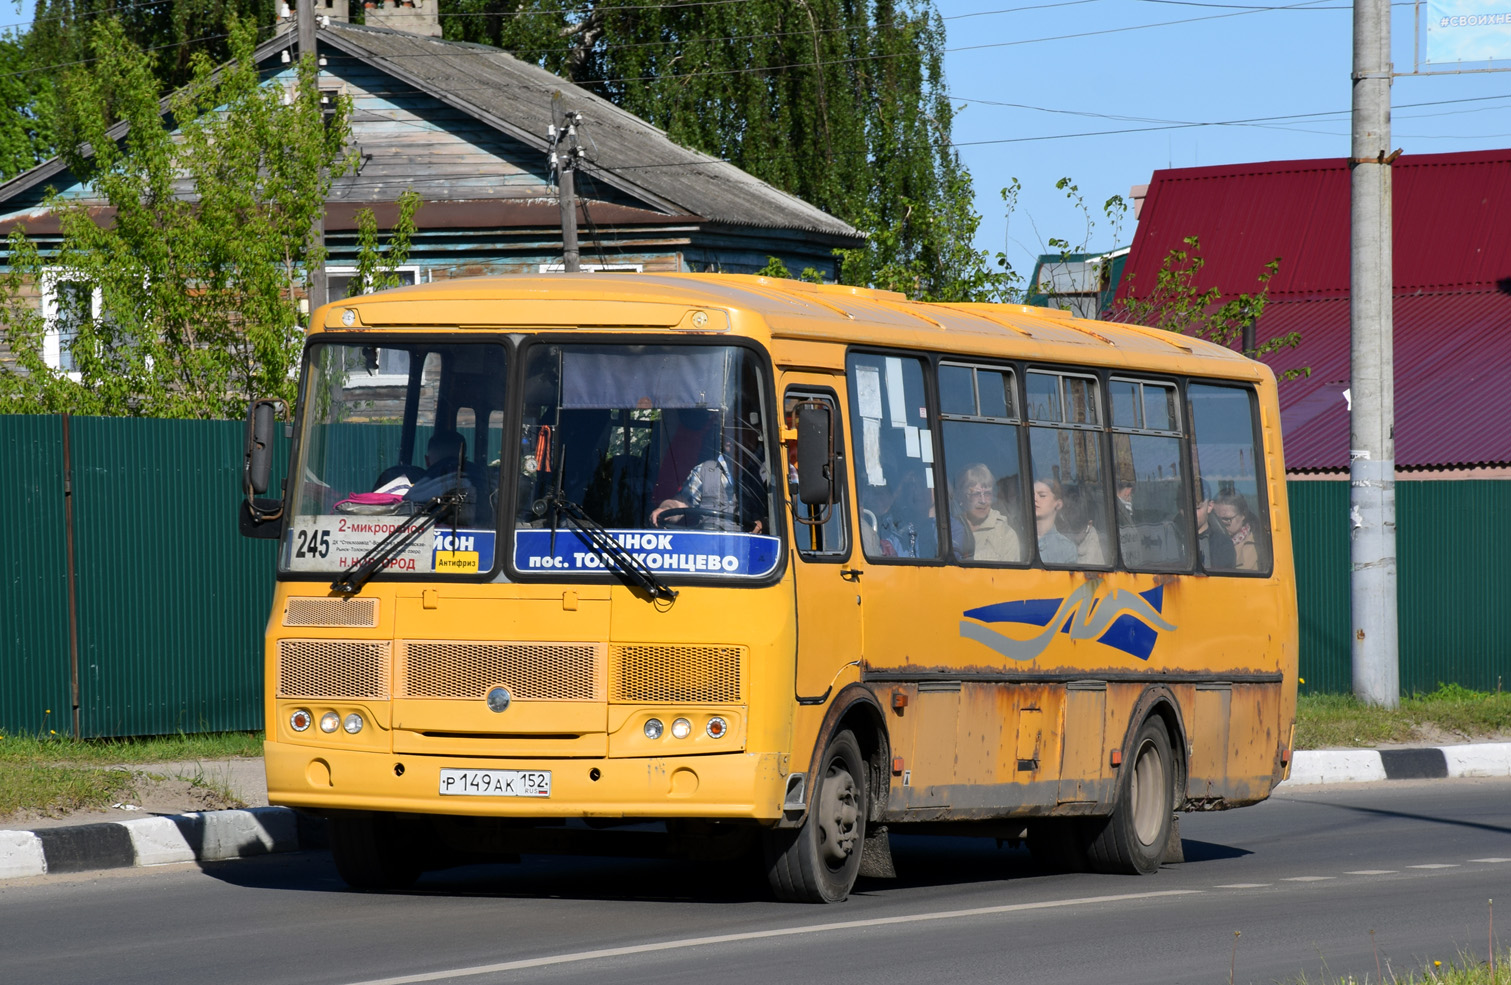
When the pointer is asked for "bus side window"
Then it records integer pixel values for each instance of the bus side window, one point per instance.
(1150, 503)
(1237, 534)
(818, 531)
(894, 457)
(1069, 492)
(979, 422)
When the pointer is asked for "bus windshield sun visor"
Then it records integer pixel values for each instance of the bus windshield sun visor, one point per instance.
(634, 571)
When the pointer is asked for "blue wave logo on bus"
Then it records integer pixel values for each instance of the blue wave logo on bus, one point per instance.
(1123, 620)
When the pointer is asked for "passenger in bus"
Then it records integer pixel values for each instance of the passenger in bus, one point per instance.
(1215, 546)
(1243, 528)
(1077, 517)
(731, 488)
(994, 538)
(1054, 546)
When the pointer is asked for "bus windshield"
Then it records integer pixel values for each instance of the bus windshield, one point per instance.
(665, 446)
(387, 429)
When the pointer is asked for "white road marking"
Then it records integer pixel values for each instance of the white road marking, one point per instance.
(754, 935)
(1371, 872)
(1490, 860)
(1308, 878)
(1244, 885)
(1435, 865)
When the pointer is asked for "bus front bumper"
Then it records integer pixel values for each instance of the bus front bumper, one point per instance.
(722, 786)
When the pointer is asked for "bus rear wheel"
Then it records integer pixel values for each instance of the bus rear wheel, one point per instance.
(819, 861)
(1132, 840)
(372, 853)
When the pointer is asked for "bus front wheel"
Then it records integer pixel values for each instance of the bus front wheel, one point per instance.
(1132, 840)
(371, 852)
(819, 861)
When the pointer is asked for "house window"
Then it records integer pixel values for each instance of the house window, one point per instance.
(393, 364)
(68, 304)
(591, 268)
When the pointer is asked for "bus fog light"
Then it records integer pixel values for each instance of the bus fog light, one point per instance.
(682, 728)
(353, 723)
(329, 721)
(654, 728)
(717, 727)
(300, 720)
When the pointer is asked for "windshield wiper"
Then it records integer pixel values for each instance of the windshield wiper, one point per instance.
(351, 580)
(602, 543)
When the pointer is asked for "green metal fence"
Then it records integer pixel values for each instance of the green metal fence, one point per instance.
(1452, 591)
(163, 632)
(159, 627)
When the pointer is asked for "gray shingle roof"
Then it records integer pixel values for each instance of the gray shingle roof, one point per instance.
(625, 152)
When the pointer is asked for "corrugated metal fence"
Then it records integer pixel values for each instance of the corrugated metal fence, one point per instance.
(160, 628)
(1453, 594)
(167, 603)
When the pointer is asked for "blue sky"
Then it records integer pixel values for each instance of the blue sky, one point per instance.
(1106, 91)
(1133, 90)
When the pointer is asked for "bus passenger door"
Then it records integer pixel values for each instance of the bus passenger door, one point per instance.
(827, 586)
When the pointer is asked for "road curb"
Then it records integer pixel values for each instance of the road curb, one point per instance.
(209, 836)
(1328, 766)
(213, 836)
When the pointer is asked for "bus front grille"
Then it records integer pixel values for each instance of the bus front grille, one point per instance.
(333, 668)
(338, 613)
(649, 672)
(531, 671)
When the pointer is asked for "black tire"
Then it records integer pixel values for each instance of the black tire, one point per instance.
(818, 862)
(1132, 840)
(372, 853)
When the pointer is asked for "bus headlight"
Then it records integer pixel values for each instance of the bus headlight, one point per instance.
(717, 727)
(653, 728)
(353, 723)
(300, 720)
(329, 721)
(682, 728)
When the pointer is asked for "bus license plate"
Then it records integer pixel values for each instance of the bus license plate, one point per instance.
(496, 783)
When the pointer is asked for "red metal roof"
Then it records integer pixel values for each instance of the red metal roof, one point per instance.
(1452, 260)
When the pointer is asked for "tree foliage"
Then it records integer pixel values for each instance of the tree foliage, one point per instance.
(841, 104)
(61, 39)
(198, 294)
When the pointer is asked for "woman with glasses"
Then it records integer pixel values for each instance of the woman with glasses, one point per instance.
(994, 537)
(1232, 515)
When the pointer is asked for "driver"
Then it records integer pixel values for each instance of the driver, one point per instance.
(731, 487)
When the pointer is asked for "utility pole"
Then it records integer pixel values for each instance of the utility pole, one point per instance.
(1372, 446)
(565, 153)
(317, 289)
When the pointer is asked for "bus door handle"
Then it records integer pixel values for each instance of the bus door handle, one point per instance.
(850, 574)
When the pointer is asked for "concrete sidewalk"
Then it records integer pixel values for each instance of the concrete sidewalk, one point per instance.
(35, 849)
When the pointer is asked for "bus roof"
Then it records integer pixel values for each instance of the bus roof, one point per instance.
(786, 310)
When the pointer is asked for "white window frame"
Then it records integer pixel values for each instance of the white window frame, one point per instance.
(52, 336)
(592, 268)
(378, 379)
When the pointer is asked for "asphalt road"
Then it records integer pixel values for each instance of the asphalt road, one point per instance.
(1305, 878)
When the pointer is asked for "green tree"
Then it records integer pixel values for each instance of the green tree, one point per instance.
(25, 131)
(198, 294)
(841, 104)
(1176, 303)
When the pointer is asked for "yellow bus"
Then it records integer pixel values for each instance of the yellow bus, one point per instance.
(728, 563)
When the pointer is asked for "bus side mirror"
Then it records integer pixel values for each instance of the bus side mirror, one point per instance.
(257, 462)
(815, 454)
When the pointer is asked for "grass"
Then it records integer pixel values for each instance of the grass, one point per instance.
(1467, 970)
(52, 775)
(1325, 721)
